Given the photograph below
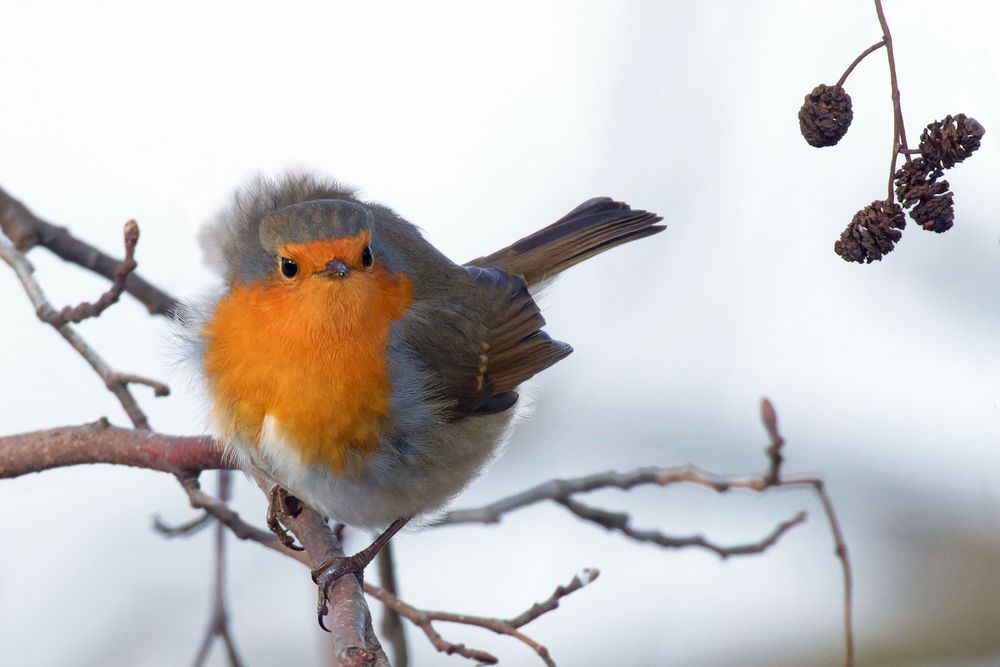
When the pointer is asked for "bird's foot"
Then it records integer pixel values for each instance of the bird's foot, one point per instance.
(327, 573)
(332, 570)
(282, 505)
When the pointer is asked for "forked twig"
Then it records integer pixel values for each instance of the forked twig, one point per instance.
(425, 619)
(562, 491)
(27, 230)
(116, 383)
(218, 622)
(85, 309)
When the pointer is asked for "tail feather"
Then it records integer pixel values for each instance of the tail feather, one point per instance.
(594, 226)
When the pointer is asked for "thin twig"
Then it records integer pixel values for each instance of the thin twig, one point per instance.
(112, 379)
(392, 625)
(562, 491)
(864, 54)
(774, 451)
(185, 529)
(226, 515)
(27, 230)
(552, 602)
(33, 452)
(159, 389)
(619, 521)
(898, 128)
(14, 214)
(85, 309)
(218, 623)
(425, 619)
(840, 550)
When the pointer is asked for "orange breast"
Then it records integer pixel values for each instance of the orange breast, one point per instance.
(312, 356)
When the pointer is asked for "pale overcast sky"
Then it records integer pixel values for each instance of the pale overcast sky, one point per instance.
(480, 123)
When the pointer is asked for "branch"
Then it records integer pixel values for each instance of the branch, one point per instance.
(100, 442)
(425, 619)
(864, 54)
(562, 491)
(116, 383)
(185, 457)
(898, 127)
(183, 529)
(351, 620)
(27, 230)
(619, 522)
(392, 625)
(354, 638)
(84, 310)
(348, 617)
(218, 623)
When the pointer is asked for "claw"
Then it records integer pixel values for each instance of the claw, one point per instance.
(281, 506)
(322, 609)
(327, 573)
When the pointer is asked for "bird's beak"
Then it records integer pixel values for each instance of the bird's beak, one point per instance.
(335, 269)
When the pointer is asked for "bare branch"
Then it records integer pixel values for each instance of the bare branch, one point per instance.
(348, 617)
(562, 491)
(100, 442)
(354, 644)
(774, 454)
(218, 622)
(864, 54)
(620, 522)
(392, 625)
(552, 603)
(116, 383)
(182, 529)
(898, 129)
(159, 389)
(840, 551)
(225, 514)
(27, 230)
(185, 457)
(83, 310)
(425, 619)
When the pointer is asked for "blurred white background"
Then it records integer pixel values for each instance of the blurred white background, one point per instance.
(480, 123)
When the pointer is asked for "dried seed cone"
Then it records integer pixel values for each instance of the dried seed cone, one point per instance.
(935, 214)
(825, 115)
(917, 181)
(917, 185)
(873, 232)
(945, 143)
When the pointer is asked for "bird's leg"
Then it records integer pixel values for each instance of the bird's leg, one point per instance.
(332, 569)
(281, 506)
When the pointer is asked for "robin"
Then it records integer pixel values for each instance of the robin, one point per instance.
(354, 364)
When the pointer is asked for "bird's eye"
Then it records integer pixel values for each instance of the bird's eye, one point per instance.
(289, 268)
(367, 258)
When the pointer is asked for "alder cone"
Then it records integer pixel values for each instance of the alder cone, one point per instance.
(825, 115)
(945, 143)
(872, 234)
(935, 214)
(918, 181)
(917, 185)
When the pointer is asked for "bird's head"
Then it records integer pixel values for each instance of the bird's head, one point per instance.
(327, 240)
(315, 261)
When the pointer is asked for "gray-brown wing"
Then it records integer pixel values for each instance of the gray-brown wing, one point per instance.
(594, 226)
(484, 343)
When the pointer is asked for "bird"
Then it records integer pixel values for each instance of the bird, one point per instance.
(355, 365)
